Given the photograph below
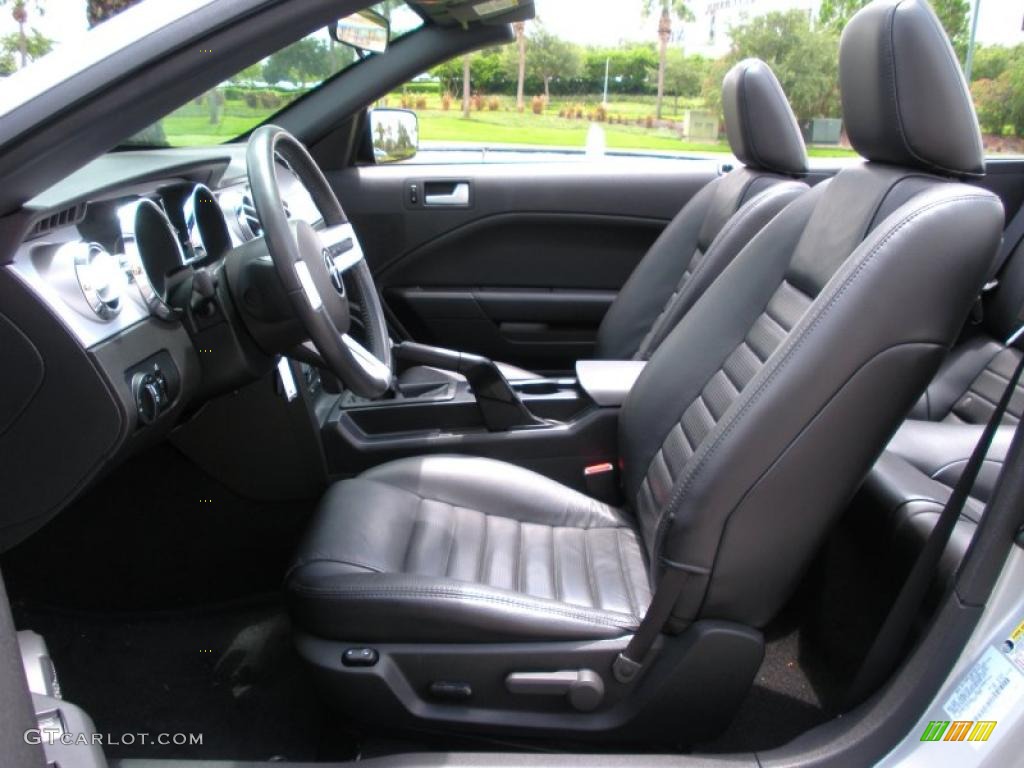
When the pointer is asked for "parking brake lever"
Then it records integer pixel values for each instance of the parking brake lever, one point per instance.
(499, 405)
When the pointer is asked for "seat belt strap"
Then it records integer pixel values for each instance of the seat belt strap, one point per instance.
(891, 637)
(1012, 237)
(630, 662)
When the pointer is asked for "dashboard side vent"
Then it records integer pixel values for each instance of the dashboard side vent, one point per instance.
(248, 220)
(63, 218)
(247, 217)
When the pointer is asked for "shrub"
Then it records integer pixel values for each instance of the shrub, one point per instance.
(494, 104)
(270, 100)
(446, 101)
(421, 102)
(234, 94)
(252, 100)
(601, 113)
(537, 105)
(649, 121)
(477, 103)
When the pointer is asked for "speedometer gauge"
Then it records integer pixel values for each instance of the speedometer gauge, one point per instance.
(205, 226)
(152, 252)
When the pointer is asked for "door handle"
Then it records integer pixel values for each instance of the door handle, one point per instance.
(458, 196)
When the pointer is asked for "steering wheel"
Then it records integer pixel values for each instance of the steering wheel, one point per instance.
(312, 265)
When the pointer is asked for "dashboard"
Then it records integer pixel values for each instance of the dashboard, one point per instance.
(116, 317)
(112, 260)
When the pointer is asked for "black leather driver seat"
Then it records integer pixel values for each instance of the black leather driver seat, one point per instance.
(710, 229)
(469, 593)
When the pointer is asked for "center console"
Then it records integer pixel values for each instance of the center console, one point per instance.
(555, 426)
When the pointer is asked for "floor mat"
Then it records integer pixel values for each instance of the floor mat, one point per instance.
(230, 676)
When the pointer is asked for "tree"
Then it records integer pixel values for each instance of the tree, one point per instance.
(990, 61)
(551, 58)
(307, 60)
(23, 41)
(669, 8)
(466, 84)
(26, 46)
(954, 15)
(250, 75)
(520, 29)
(805, 59)
(99, 11)
(629, 67)
(684, 75)
(993, 98)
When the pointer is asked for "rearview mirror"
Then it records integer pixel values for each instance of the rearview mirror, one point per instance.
(395, 134)
(365, 31)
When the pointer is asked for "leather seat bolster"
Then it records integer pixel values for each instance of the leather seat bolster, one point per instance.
(396, 608)
(501, 489)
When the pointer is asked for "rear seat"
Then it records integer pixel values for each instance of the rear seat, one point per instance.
(906, 490)
(970, 382)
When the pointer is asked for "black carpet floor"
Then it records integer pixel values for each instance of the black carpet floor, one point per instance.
(230, 676)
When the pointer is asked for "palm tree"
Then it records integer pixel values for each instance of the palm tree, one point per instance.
(520, 29)
(681, 10)
(19, 12)
(465, 85)
(99, 11)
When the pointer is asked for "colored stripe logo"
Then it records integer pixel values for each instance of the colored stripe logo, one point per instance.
(959, 730)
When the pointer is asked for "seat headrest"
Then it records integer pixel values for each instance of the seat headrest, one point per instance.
(905, 100)
(761, 126)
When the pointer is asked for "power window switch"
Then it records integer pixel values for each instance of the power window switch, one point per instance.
(360, 657)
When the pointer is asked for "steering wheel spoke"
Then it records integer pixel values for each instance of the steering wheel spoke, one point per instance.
(314, 260)
(372, 367)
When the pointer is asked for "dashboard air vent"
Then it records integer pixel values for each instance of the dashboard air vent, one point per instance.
(53, 222)
(249, 221)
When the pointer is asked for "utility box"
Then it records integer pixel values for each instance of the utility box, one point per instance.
(822, 130)
(700, 125)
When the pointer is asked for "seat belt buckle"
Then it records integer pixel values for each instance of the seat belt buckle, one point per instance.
(602, 481)
(625, 669)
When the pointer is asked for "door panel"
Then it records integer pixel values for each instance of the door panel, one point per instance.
(518, 262)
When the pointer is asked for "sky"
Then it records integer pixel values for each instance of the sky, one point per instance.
(598, 22)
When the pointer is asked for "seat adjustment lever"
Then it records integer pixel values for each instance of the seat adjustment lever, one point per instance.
(584, 687)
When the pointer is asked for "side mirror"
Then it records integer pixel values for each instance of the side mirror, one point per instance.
(395, 135)
(366, 31)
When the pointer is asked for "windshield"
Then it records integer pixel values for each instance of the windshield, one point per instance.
(34, 28)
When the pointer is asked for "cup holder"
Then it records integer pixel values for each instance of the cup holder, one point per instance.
(537, 388)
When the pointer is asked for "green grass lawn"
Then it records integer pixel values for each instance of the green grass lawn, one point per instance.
(552, 131)
(191, 126)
